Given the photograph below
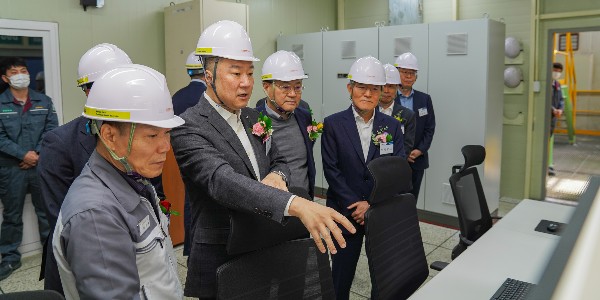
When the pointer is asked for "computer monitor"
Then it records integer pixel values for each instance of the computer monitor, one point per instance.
(573, 271)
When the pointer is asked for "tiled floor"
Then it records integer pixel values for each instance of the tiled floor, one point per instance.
(574, 164)
(437, 242)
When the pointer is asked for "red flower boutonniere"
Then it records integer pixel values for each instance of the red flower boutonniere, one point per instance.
(263, 128)
(165, 207)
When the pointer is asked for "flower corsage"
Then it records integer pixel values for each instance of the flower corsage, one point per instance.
(263, 127)
(165, 207)
(398, 117)
(381, 136)
(314, 129)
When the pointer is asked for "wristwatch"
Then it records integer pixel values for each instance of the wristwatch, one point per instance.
(283, 177)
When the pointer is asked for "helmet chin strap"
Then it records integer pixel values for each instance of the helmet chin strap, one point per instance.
(123, 159)
(277, 107)
(213, 85)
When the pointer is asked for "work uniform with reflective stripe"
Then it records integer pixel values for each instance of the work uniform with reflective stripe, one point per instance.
(21, 130)
(110, 242)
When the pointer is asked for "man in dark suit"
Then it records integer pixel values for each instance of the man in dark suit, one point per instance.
(182, 100)
(388, 106)
(229, 162)
(351, 139)
(66, 149)
(282, 75)
(420, 103)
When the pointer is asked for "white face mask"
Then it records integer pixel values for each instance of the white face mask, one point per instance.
(19, 81)
(556, 75)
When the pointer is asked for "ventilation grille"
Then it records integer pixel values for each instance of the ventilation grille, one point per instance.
(348, 49)
(457, 44)
(402, 45)
(299, 50)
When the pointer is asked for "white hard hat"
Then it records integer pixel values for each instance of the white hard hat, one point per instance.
(132, 93)
(193, 62)
(407, 61)
(98, 60)
(226, 39)
(283, 65)
(392, 75)
(367, 70)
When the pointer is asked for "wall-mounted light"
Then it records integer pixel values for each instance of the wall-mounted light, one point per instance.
(513, 76)
(512, 47)
(96, 3)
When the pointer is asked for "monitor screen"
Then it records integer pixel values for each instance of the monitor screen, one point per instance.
(573, 271)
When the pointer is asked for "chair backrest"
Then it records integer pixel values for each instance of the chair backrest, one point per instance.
(473, 214)
(393, 242)
(291, 270)
(30, 295)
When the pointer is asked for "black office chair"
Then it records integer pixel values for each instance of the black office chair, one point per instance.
(291, 270)
(30, 295)
(393, 244)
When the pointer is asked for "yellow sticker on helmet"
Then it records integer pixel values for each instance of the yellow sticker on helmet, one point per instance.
(107, 113)
(267, 76)
(82, 80)
(349, 76)
(194, 66)
(201, 51)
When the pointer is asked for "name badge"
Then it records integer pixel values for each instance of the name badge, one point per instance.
(268, 144)
(387, 148)
(144, 224)
(422, 111)
(402, 127)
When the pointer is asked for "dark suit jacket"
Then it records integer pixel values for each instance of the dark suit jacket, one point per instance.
(410, 125)
(345, 168)
(187, 96)
(219, 176)
(304, 119)
(425, 128)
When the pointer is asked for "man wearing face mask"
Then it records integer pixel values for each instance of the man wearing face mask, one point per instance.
(25, 116)
(282, 76)
(557, 104)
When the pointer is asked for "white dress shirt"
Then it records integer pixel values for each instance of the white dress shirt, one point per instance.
(365, 129)
(388, 111)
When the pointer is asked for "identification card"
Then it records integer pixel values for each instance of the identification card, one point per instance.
(422, 111)
(402, 127)
(144, 224)
(387, 148)
(268, 144)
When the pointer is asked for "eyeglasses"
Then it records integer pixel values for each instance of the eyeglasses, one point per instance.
(408, 73)
(288, 88)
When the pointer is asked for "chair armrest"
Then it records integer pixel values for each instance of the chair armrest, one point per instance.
(438, 265)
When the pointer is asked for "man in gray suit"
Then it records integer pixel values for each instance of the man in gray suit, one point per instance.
(228, 161)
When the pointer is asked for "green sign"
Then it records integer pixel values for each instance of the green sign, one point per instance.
(11, 40)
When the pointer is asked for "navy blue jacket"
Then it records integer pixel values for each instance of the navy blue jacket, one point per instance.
(303, 118)
(425, 127)
(188, 96)
(345, 168)
(409, 121)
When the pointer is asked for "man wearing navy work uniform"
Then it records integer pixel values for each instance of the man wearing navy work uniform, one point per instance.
(66, 149)
(182, 100)
(421, 104)
(282, 76)
(351, 139)
(25, 116)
